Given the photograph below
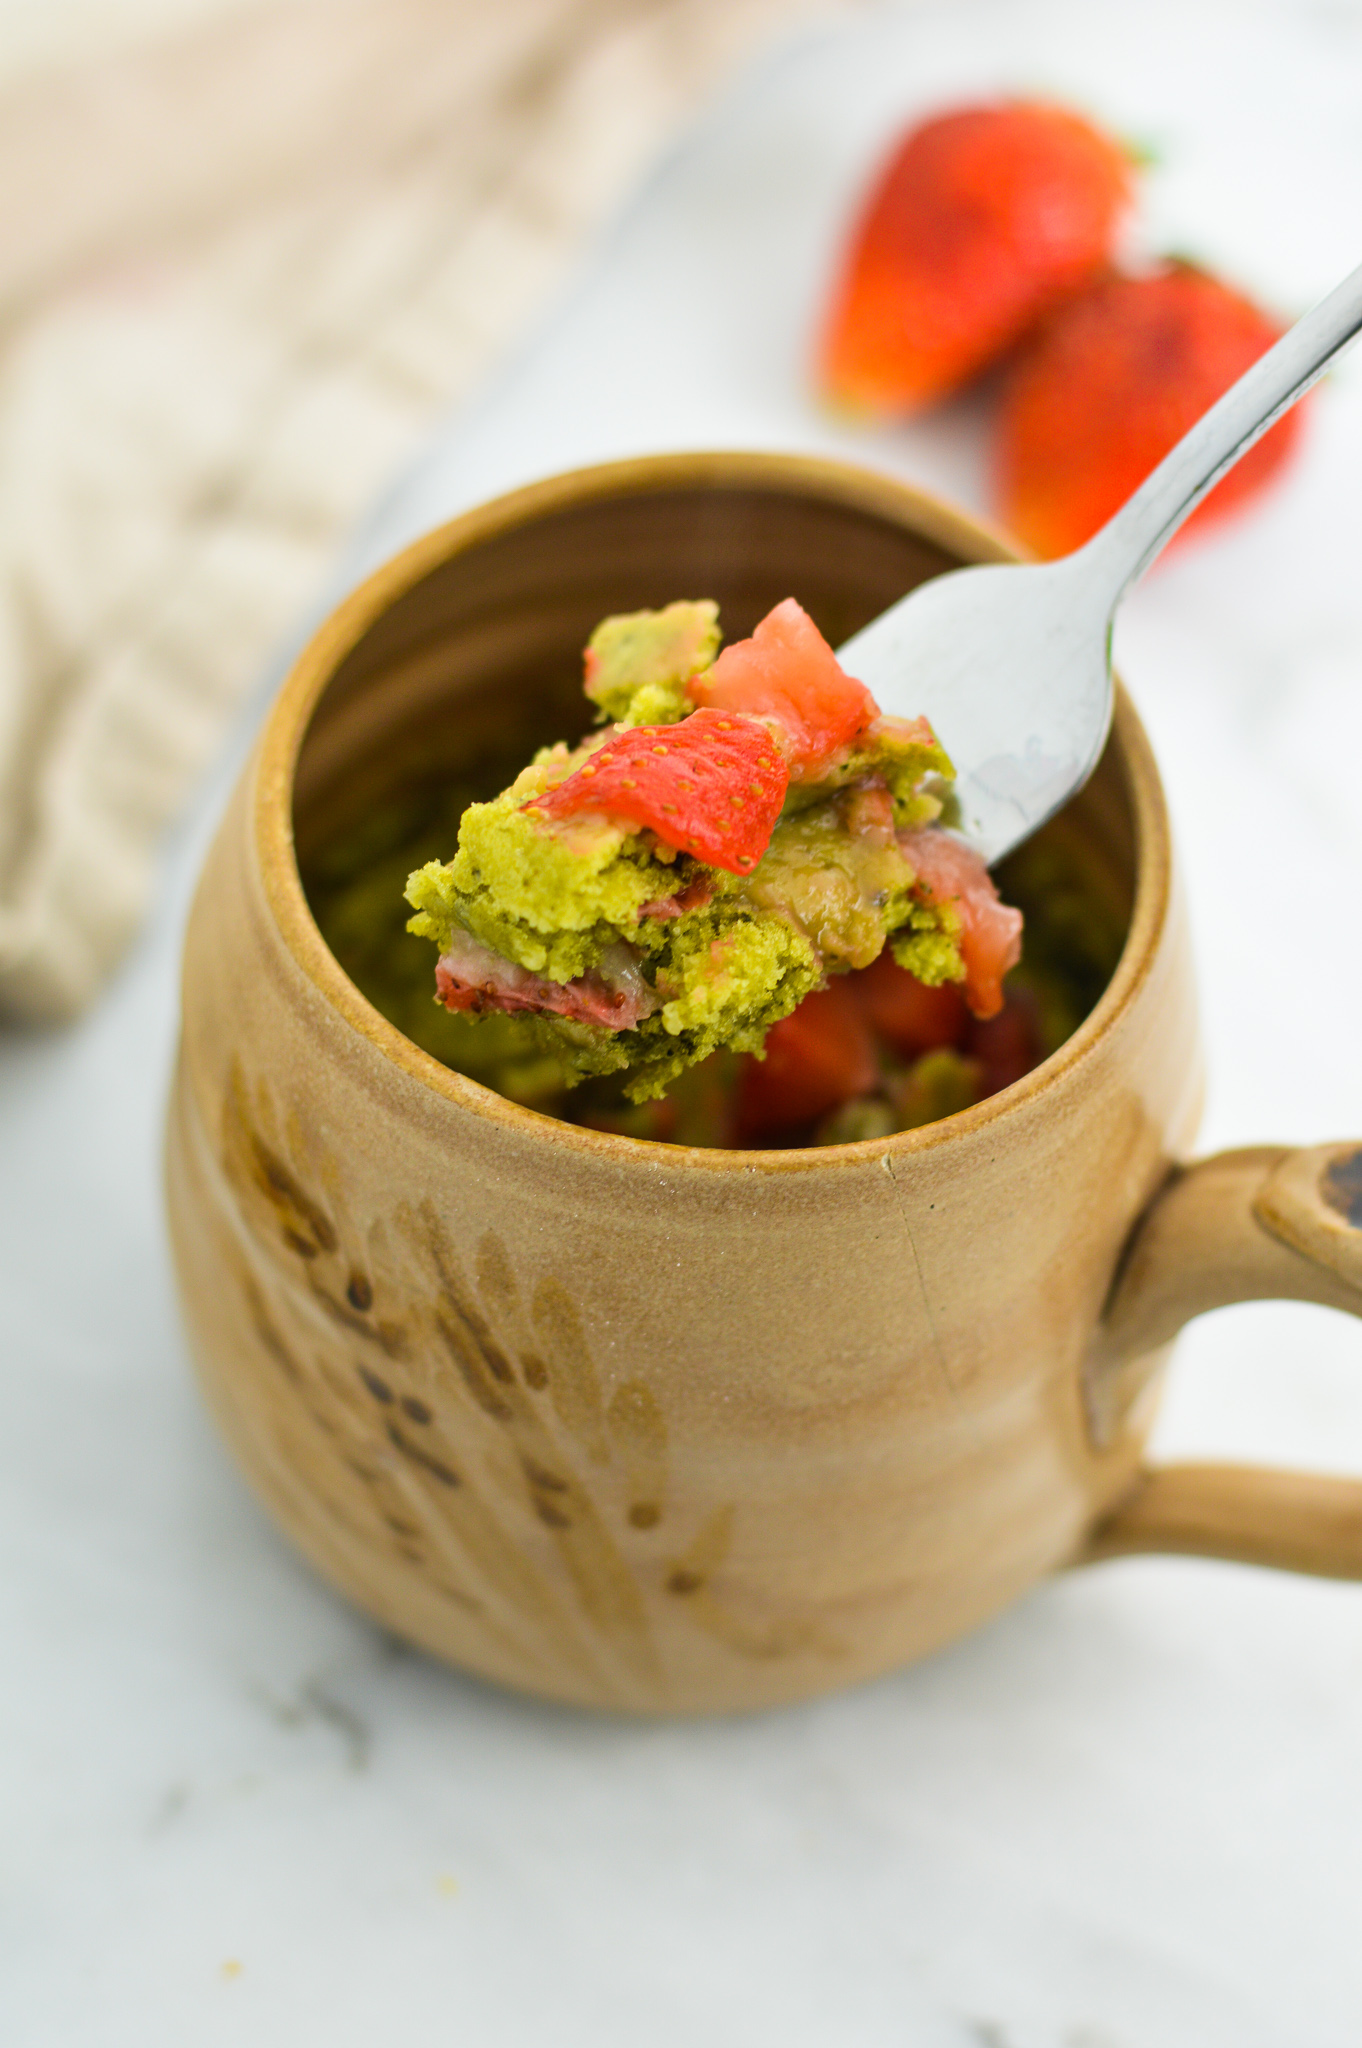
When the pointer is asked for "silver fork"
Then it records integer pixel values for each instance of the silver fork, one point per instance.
(1012, 663)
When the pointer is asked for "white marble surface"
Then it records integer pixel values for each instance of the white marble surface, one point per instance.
(1129, 1814)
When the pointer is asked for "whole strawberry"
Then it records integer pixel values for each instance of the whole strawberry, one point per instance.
(1106, 388)
(982, 220)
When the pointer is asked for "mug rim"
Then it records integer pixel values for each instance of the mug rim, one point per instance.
(862, 489)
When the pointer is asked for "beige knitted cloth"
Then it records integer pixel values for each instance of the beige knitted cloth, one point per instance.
(241, 269)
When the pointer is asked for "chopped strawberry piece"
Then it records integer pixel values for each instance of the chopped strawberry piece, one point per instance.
(711, 786)
(990, 937)
(1108, 386)
(470, 976)
(787, 673)
(694, 896)
(981, 220)
(816, 1059)
(910, 1017)
(870, 814)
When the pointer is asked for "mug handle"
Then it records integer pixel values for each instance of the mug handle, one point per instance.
(1266, 1223)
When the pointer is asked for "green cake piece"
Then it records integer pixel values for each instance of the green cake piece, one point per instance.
(638, 663)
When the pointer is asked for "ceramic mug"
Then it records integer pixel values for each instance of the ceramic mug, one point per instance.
(663, 1429)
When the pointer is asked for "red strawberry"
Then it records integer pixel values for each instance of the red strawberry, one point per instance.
(990, 932)
(788, 674)
(910, 1017)
(1108, 386)
(712, 786)
(817, 1058)
(981, 221)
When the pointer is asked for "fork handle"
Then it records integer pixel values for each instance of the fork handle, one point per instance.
(1131, 540)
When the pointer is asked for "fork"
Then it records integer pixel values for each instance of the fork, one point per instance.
(1013, 661)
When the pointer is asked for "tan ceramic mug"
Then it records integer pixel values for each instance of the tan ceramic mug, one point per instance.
(653, 1428)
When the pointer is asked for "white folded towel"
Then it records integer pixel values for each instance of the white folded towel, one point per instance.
(241, 269)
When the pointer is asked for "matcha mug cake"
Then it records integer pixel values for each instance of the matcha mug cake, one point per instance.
(744, 857)
(688, 1426)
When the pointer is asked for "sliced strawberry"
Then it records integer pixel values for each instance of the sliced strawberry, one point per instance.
(981, 220)
(694, 896)
(788, 674)
(910, 1017)
(816, 1059)
(1108, 386)
(470, 976)
(990, 938)
(711, 786)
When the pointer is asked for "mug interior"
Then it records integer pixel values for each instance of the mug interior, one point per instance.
(477, 660)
